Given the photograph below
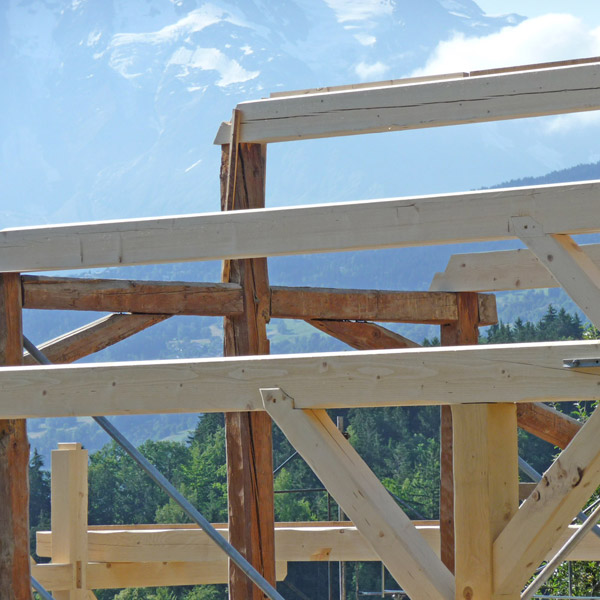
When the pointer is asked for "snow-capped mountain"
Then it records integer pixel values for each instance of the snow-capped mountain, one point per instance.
(109, 107)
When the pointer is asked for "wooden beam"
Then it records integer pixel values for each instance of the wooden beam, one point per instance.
(125, 545)
(225, 299)
(400, 222)
(546, 514)
(69, 512)
(14, 458)
(146, 297)
(464, 331)
(498, 271)
(137, 574)
(248, 435)
(547, 423)
(371, 305)
(569, 265)
(486, 491)
(407, 377)
(361, 335)
(363, 498)
(93, 337)
(431, 104)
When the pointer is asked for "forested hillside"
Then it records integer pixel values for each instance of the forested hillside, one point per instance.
(401, 445)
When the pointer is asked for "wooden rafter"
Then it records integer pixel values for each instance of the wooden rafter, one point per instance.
(547, 423)
(432, 104)
(93, 337)
(414, 376)
(364, 499)
(546, 514)
(400, 222)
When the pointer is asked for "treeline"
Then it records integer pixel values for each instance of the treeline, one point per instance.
(401, 445)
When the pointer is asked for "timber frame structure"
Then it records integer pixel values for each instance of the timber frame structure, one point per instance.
(486, 545)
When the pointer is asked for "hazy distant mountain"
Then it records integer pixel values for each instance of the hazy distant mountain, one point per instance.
(109, 107)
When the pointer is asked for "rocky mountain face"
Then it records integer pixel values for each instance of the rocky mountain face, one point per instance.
(109, 107)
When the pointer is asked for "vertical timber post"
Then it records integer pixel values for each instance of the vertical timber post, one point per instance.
(248, 434)
(14, 457)
(463, 331)
(69, 515)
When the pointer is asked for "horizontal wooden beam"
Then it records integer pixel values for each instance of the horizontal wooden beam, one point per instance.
(60, 577)
(416, 376)
(547, 423)
(225, 299)
(419, 105)
(118, 295)
(93, 337)
(401, 222)
(121, 545)
(373, 305)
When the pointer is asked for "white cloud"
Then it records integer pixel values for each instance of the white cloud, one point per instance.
(540, 39)
(370, 71)
(566, 123)
(364, 39)
(359, 10)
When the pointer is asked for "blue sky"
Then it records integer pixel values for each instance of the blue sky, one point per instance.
(589, 10)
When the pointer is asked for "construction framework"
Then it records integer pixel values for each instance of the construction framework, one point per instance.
(486, 545)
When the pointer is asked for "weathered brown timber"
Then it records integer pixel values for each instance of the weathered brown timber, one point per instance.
(94, 337)
(14, 458)
(248, 435)
(372, 305)
(148, 297)
(463, 331)
(547, 423)
(361, 335)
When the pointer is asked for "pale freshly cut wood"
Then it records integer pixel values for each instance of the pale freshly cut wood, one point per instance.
(569, 265)
(148, 297)
(433, 104)
(486, 491)
(415, 376)
(548, 423)
(499, 271)
(545, 515)
(139, 574)
(400, 222)
(93, 337)
(361, 335)
(402, 549)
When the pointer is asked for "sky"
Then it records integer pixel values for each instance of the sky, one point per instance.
(586, 9)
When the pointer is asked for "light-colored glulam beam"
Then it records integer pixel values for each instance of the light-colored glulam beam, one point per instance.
(457, 101)
(546, 514)
(401, 222)
(415, 376)
(363, 498)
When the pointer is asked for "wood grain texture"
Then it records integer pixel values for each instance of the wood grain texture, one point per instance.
(546, 514)
(400, 222)
(486, 491)
(93, 337)
(500, 271)
(248, 436)
(146, 297)
(361, 335)
(577, 274)
(464, 331)
(69, 512)
(432, 104)
(14, 458)
(363, 498)
(547, 423)
(414, 376)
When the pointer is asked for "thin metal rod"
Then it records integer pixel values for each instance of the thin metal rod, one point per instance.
(552, 564)
(185, 505)
(536, 477)
(285, 462)
(39, 588)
